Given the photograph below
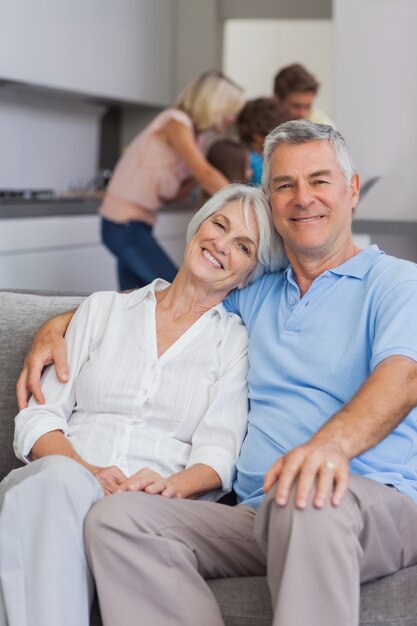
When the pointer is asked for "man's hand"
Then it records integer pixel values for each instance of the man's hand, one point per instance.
(47, 347)
(322, 468)
(110, 478)
(149, 481)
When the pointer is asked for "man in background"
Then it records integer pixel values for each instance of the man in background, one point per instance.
(296, 89)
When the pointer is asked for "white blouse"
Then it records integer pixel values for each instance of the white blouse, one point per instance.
(125, 406)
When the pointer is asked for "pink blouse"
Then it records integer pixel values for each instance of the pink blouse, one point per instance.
(148, 172)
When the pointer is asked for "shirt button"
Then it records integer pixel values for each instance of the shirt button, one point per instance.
(292, 302)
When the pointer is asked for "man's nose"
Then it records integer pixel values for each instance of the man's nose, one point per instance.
(303, 196)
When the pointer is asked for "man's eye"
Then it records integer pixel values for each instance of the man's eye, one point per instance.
(283, 186)
(320, 182)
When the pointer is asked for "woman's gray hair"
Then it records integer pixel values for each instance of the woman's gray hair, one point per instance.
(303, 131)
(271, 255)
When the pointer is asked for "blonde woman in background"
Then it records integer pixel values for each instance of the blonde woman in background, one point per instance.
(158, 166)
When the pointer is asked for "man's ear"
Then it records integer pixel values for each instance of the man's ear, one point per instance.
(355, 186)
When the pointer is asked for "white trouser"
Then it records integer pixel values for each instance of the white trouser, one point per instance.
(44, 576)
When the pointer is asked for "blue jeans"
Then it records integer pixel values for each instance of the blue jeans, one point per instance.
(140, 259)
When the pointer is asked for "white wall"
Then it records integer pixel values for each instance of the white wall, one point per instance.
(198, 39)
(46, 141)
(115, 49)
(376, 99)
(254, 50)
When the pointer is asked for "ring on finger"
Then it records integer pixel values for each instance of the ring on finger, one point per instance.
(330, 465)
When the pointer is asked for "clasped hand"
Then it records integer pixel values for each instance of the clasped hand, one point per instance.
(113, 480)
(320, 469)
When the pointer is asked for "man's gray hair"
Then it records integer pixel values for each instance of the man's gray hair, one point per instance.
(271, 255)
(303, 131)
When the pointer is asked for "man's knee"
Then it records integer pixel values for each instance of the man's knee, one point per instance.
(277, 523)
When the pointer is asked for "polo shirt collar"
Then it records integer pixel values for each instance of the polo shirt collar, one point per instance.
(360, 264)
(357, 267)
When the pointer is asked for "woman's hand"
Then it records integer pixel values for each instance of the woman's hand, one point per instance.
(48, 347)
(110, 478)
(149, 481)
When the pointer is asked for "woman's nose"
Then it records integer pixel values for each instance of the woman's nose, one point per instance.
(222, 243)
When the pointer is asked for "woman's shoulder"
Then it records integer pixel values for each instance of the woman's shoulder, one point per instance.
(231, 322)
(102, 302)
(170, 115)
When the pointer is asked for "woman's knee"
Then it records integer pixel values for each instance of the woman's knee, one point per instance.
(57, 476)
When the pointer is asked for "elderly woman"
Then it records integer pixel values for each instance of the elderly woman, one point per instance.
(156, 401)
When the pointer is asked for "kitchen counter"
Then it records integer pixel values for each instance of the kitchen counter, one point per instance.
(55, 243)
(12, 209)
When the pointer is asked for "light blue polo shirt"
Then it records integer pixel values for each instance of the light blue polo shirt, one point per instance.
(308, 356)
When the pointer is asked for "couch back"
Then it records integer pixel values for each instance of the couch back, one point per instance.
(21, 314)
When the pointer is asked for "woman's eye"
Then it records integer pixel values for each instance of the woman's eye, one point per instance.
(218, 224)
(245, 249)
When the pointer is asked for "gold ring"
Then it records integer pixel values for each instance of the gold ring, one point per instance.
(330, 465)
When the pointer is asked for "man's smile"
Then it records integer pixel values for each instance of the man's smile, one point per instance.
(313, 218)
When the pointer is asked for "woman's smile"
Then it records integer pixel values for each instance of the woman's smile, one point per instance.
(211, 259)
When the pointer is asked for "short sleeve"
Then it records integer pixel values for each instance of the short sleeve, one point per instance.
(395, 323)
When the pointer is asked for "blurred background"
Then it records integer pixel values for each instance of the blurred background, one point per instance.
(80, 78)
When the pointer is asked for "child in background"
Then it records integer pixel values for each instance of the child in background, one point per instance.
(255, 121)
(231, 158)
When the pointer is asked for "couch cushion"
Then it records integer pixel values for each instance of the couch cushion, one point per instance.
(20, 316)
(389, 601)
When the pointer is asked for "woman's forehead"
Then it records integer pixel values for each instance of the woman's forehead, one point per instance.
(240, 217)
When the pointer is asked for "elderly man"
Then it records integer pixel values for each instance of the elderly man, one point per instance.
(326, 480)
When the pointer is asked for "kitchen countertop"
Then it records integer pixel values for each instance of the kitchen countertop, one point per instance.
(55, 207)
(12, 209)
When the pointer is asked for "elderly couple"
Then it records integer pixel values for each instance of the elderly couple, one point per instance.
(154, 410)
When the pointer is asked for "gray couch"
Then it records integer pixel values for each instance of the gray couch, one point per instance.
(390, 601)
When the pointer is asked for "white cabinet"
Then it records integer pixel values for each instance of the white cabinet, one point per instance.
(65, 253)
(106, 48)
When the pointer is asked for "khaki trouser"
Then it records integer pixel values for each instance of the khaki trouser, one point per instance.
(150, 555)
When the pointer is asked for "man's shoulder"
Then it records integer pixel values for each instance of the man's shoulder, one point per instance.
(247, 302)
(392, 269)
(261, 287)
